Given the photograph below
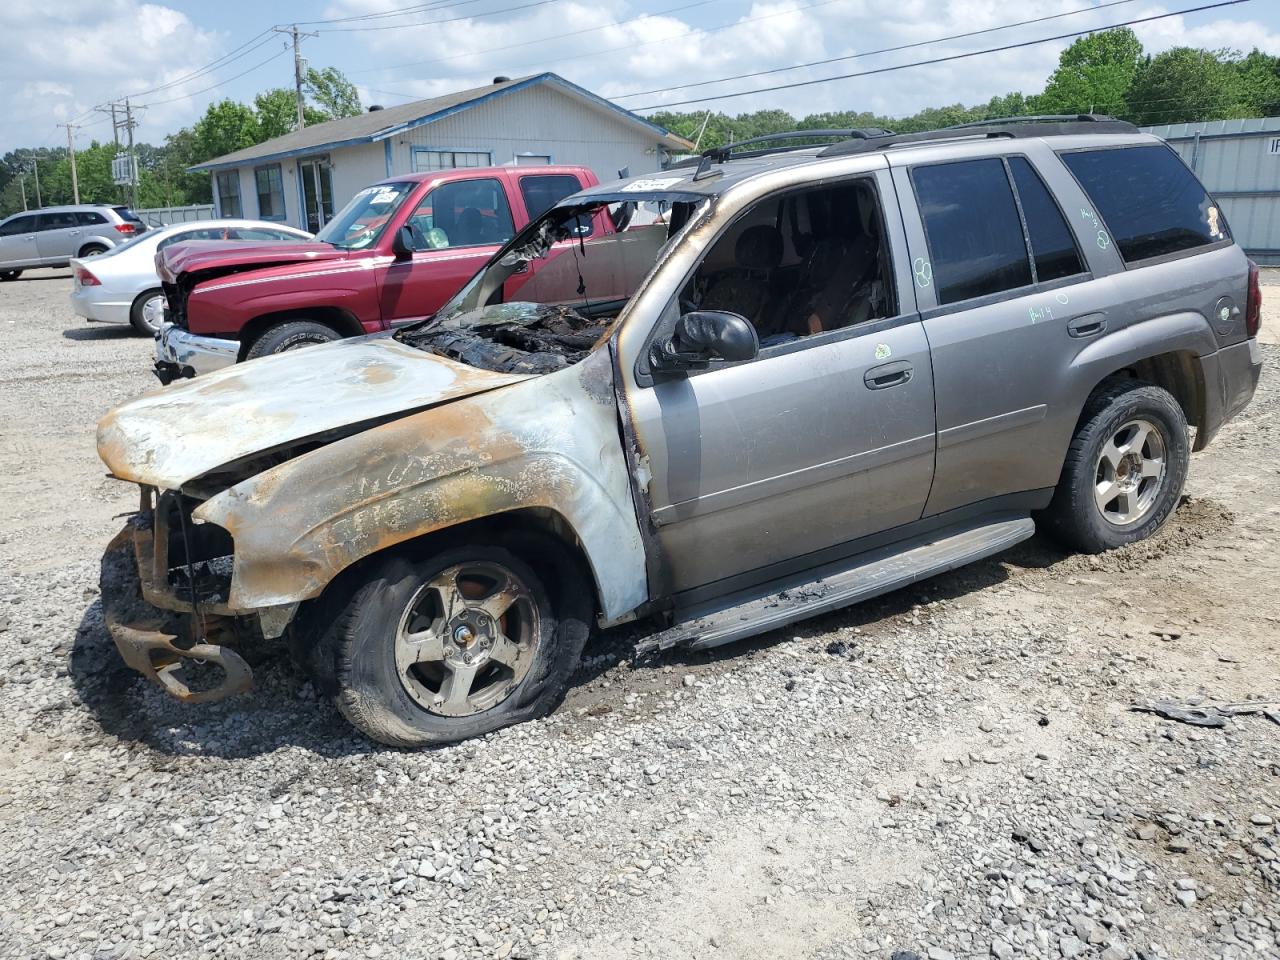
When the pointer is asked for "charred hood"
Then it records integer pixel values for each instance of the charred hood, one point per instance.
(188, 430)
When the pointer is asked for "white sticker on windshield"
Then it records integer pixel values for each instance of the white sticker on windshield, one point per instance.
(656, 183)
(385, 195)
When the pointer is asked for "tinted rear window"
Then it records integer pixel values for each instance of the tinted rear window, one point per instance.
(973, 230)
(1151, 204)
(544, 191)
(1052, 245)
(56, 221)
(127, 214)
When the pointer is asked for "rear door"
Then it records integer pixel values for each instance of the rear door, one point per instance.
(1007, 299)
(457, 226)
(18, 242)
(58, 235)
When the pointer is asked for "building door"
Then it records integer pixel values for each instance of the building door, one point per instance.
(317, 193)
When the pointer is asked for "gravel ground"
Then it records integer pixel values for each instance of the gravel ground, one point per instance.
(950, 771)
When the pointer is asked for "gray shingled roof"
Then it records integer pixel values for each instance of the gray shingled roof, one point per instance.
(377, 124)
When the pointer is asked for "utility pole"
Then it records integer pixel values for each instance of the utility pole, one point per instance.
(298, 61)
(71, 153)
(122, 118)
(133, 162)
(22, 185)
(35, 168)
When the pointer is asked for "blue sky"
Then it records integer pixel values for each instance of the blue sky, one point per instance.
(62, 60)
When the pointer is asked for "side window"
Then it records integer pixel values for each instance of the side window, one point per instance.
(544, 191)
(971, 224)
(1053, 248)
(800, 264)
(270, 188)
(262, 233)
(1150, 202)
(205, 233)
(18, 225)
(462, 213)
(56, 221)
(87, 218)
(228, 186)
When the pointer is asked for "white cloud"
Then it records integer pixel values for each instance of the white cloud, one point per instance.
(62, 59)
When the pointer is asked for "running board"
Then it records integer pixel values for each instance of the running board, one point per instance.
(838, 584)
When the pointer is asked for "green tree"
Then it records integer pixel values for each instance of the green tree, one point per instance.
(333, 93)
(1258, 83)
(1183, 85)
(226, 126)
(1094, 74)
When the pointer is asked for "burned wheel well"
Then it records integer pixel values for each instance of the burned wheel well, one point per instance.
(343, 321)
(1180, 373)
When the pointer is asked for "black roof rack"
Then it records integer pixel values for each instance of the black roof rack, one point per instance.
(1040, 118)
(1012, 128)
(735, 151)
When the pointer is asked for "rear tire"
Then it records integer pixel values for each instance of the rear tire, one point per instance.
(146, 312)
(291, 336)
(6, 275)
(1124, 471)
(396, 692)
(91, 250)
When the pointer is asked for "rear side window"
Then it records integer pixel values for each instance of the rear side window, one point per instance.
(1151, 203)
(1052, 246)
(87, 218)
(971, 224)
(544, 191)
(56, 221)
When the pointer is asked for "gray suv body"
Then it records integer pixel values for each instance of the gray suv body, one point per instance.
(820, 374)
(52, 236)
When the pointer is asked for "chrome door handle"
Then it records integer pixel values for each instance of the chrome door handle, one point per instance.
(1089, 325)
(888, 375)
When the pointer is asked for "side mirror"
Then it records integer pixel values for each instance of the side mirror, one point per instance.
(702, 336)
(402, 243)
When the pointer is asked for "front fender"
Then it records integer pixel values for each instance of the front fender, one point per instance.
(550, 442)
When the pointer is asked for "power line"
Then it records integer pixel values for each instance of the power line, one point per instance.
(872, 53)
(433, 23)
(596, 53)
(936, 60)
(387, 14)
(228, 80)
(229, 57)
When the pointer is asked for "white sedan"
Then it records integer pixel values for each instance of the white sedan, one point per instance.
(121, 286)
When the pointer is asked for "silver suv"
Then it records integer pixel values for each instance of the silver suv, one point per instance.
(51, 236)
(822, 373)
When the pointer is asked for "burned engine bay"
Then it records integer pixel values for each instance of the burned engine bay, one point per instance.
(514, 338)
(546, 300)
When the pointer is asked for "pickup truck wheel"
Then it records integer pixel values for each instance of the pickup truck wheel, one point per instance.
(147, 312)
(10, 274)
(291, 336)
(453, 647)
(1124, 470)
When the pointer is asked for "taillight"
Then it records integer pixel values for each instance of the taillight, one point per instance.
(126, 228)
(86, 279)
(1253, 306)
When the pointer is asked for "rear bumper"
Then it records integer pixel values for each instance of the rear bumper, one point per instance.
(1231, 377)
(181, 354)
(89, 306)
(153, 640)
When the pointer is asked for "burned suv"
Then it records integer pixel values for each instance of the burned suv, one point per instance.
(817, 374)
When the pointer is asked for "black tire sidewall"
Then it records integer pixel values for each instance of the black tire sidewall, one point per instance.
(1141, 402)
(135, 312)
(93, 250)
(9, 275)
(291, 335)
(370, 693)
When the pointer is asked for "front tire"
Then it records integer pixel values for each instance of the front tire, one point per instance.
(147, 312)
(6, 275)
(291, 336)
(1124, 471)
(456, 646)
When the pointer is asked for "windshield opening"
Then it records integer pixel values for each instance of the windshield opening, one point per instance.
(362, 221)
(550, 295)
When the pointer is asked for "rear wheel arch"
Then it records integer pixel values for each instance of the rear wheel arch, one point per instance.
(1179, 372)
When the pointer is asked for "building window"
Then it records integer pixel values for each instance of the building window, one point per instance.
(533, 159)
(229, 194)
(270, 192)
(424, 160)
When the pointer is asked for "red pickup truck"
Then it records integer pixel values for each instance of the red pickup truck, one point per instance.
(393, 255)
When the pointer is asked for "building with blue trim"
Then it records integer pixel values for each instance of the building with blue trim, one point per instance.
(304, 176)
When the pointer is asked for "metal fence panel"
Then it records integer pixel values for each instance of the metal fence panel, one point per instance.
(163, 216)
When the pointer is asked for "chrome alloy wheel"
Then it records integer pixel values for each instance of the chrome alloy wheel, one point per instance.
(153, 311)
(466, 639)
(1130, 472)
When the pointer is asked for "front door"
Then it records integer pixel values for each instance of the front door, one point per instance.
(456, 228)
(18, 242)
(769, 466)
(317, 193)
